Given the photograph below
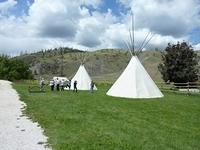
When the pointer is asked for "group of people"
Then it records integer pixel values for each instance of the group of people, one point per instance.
(61, 84)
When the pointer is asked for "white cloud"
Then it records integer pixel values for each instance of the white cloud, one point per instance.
(92, 28)
(13, 27)
(166, 17)
(114, 36)
(197, 46)
(51, 23)
(54, 18)
(14, 46)
(94, 3)
(117, 35)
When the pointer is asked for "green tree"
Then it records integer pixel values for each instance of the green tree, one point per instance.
(4, 66)
(14, 69)
(19, 70)
(179, 63)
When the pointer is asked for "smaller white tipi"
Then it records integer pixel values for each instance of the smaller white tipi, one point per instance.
(82, 77)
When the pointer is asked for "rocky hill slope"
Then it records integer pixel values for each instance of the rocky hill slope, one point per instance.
(102, 65)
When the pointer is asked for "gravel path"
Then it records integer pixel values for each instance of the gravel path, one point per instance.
(17, 132)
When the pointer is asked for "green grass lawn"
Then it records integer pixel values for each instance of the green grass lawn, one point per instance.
(95, 121)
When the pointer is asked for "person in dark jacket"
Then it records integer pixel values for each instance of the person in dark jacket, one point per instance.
(75, 86)
(92, 87)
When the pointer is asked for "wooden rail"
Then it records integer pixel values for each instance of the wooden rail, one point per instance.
(188, 87)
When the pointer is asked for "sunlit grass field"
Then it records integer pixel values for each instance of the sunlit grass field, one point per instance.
(94, 121)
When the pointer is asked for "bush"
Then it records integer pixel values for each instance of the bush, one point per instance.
(14, 69)
(179, 63)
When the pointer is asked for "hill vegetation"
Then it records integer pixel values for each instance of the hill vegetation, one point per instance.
(103, 65)
(14, 69)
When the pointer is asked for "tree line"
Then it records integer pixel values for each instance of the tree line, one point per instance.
(180, 64)
(14, 69)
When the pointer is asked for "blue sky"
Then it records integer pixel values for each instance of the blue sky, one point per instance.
(94, 24)
(195, 35)
(21, 7)
(116, 7)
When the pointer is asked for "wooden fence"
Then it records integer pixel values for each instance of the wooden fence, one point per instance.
(188, 87)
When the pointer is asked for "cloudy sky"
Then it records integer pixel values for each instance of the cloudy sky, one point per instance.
(30, 25)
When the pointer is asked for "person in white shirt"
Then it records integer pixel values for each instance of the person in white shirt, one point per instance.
(62, 84)
(69, 84)
(52, 85)
(57, 83)
(42, 84)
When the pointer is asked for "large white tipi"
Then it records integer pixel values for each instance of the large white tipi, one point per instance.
(135, 82)
(83, 79)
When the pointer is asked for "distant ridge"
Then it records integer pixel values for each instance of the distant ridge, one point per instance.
(103, 65)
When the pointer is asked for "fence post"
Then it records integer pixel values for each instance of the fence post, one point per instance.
(188, 87)
(174, 87)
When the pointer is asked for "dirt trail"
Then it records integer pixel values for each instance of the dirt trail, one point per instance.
(17, 132)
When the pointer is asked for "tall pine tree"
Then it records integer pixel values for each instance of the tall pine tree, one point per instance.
(179, 63)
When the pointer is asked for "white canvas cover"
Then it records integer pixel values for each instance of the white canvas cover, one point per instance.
(83, 79)
(135, 82)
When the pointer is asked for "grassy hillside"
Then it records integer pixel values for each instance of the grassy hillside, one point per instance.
(102, 65)
(98, 122)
